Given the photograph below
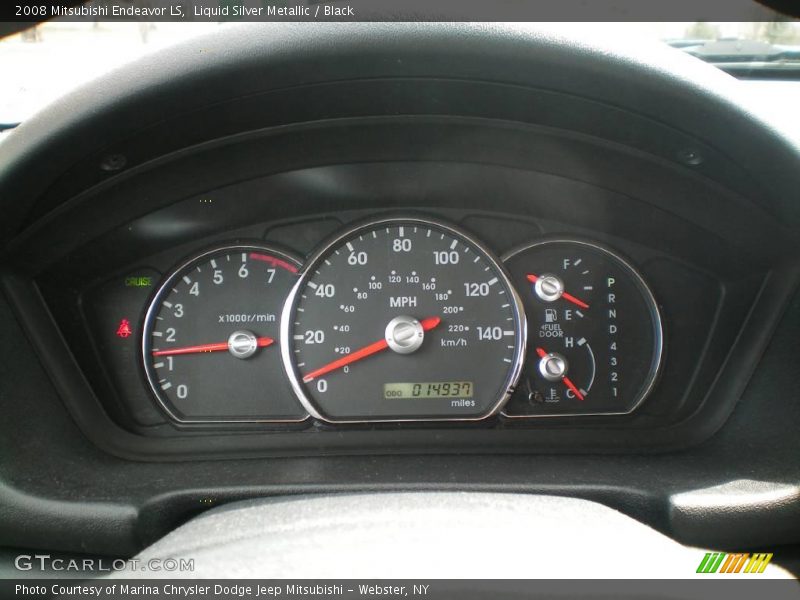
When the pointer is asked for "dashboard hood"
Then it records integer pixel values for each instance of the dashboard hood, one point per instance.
(60, 152)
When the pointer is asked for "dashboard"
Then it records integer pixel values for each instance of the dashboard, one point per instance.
(510, 327)
(450, 320)
(449, 257)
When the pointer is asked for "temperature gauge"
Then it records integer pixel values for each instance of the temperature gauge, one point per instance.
(594, 331)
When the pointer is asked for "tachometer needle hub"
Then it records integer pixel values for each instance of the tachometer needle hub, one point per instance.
(240, 346)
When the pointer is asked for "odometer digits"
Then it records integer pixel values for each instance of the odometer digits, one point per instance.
(403, 319)
(429, 389)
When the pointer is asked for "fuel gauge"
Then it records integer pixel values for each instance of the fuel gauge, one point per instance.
(594, 331)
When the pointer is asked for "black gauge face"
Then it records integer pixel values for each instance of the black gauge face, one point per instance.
(210, 342)
(403, 319)
(594, 333)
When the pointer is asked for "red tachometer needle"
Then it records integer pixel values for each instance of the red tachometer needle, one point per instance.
(427, 325)
(567, 381)
(261, 342)
(568, 297)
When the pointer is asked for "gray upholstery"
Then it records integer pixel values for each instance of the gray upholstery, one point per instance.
(424, 534)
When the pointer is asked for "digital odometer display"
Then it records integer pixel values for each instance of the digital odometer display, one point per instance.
(429, 389)
(403, 300)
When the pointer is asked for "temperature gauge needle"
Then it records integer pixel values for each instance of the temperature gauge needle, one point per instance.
(568, 297)
(374, 348)
(566, 380)
(261, 342)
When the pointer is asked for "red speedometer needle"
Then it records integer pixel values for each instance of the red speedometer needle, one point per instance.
(568, 297)
(566, 380)
(375, 347)
(261, 342)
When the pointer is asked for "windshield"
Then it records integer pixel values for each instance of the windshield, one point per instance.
(45, 62)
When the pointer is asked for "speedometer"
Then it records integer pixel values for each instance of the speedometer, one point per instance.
(403, 319)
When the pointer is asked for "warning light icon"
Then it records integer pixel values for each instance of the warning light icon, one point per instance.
(124, 330)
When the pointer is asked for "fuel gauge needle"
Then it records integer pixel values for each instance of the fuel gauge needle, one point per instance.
(369, 350)
(566, 296)
(261, 342)
(566, 380)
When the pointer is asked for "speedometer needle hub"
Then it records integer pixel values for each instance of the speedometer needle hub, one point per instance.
(403, 330)
(404, 334)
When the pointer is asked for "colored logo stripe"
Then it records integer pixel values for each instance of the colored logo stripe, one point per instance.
(734, 563)
(758, 563)
(710, 562)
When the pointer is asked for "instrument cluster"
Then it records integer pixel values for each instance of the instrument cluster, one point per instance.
(400, 318)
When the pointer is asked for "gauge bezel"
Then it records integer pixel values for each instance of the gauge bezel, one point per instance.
(655, 313)
(152, 309)
(338, 239)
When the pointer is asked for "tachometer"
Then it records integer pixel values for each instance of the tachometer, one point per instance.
(595, 338)
(403, 319)
(210, 343)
